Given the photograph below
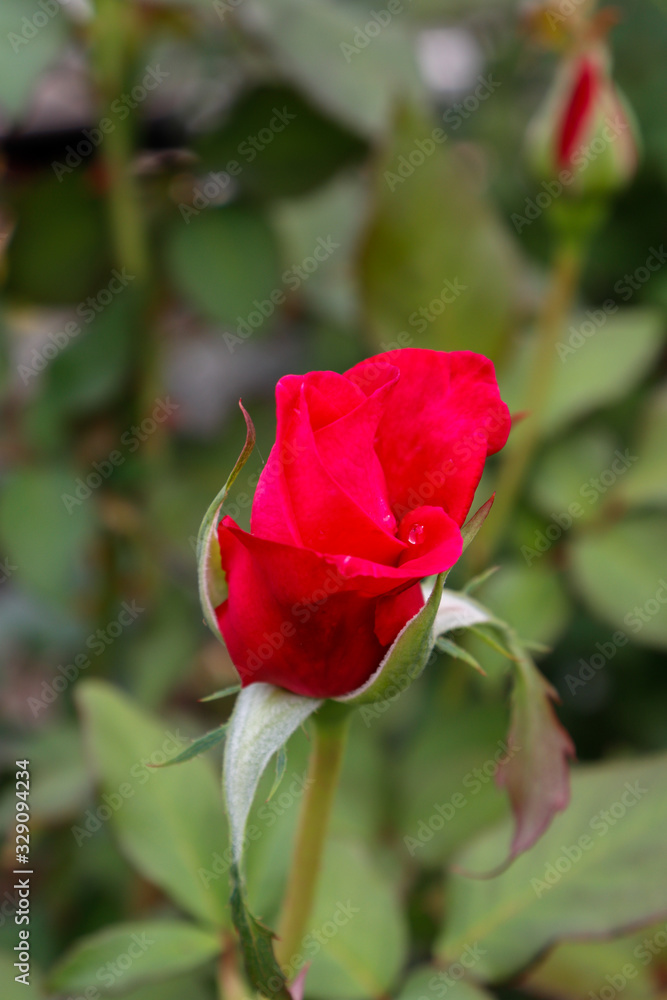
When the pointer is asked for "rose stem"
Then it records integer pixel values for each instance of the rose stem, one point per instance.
(556, 309)
(329, 737)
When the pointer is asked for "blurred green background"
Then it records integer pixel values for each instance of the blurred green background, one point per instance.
(197, 198)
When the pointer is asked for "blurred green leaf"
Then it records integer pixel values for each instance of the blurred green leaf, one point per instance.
(60, 782)
(92, 368)
(170, 824)
(356, 937)
(225, 261)
(58, 253)
(437, 266)
(622, 573)
(47, 543)
(28, 49)
(335, 212)
(127, 955)
(446, 791)
(280, 156)
(307, 41)
(431, 981)
(625, 964)
(600, 868)
(646, 483)
(602, 370)
(11, 989)
(564, 472)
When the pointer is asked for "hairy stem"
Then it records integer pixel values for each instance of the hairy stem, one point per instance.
(330, 732)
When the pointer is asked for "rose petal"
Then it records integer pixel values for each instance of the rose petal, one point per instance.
(443, 417)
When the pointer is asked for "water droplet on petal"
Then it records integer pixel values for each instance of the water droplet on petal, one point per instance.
(415, 534)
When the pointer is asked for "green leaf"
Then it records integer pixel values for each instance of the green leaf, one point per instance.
(212, 582)
(225, 260)
(571, 971)
(438, 269)
(47, 543)
(602, 371)
(170, 823)
(600, 868)
(446, 792)
(645, 483)
(621, 572)
(406, 658)
(11, 989)
(92, 368)
(562, 485)
(198, 746)
(124, 956)
(357, 917)
(306, 39)
(431, 981)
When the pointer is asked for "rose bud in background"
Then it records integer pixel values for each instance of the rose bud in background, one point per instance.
(584, 137)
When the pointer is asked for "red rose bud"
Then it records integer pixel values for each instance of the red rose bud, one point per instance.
(584, 138)
(363, 495)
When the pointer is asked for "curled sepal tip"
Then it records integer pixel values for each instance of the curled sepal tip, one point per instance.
(212, 583)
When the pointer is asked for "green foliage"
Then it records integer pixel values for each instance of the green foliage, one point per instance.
(207, 206)
(170, 823)
(128, 955)
(598, 870)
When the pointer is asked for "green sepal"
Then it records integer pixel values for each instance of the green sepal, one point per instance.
(197, 747)
(223, 693)
(212, 581)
